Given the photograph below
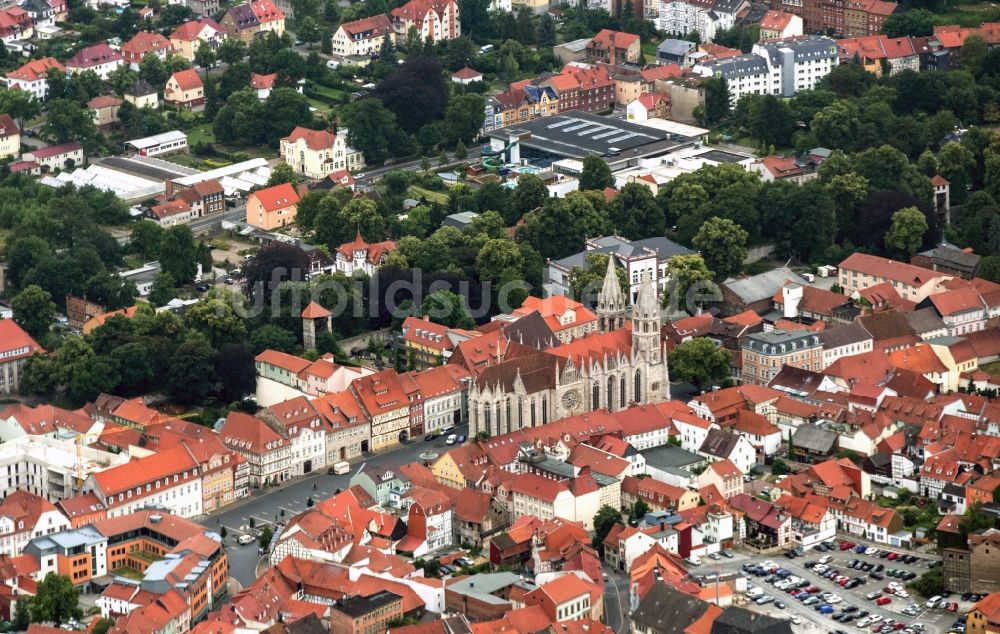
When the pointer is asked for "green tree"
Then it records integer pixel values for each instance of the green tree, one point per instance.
(179, 254)
(635, 213)
(461, 152)
(372, 128)
(448, 309)
(585, 283)
(164, 289)
(996, 494)
(638, 511)
(596, 175)
(217, 321)
(722, 244)
(957, 164)
(546, 35)
(154, 70)
(684, 271)
(102, 626)
(975, 519)
(146, 238)
(604, 521)
(266, 535)
(929, 584)
(272, 337)
(499, 260)
(231, 51)
(282, 173)
(717, 99)
(56, 601)
(771, 120)
(69, 121)
(914, 23)
(779, 467)
(907, 231)
(34, 310)
(836, 126)
(204, 57)
(191, 375)
(699, 362)
(234, 368)
(463, 119)
(529, 194)
(20, 105)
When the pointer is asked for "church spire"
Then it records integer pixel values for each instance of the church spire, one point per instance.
(611, 300)
(646, 321)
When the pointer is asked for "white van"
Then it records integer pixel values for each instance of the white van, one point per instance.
(450, 440)
(341, 467)
(244, 539)
(330, 63)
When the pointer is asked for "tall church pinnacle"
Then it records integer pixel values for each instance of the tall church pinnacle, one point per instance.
(611, 300)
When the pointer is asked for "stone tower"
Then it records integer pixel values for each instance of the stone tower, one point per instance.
(611, 300)
(646, 323)
(314, 318)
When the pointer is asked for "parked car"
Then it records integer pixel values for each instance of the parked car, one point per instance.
(245, 539)
(883, 601)
(451, 439)
(871, 596)
(779, 605)
(764, 599)
(952, 607)
(794, 619)
(726, 554)
(825, 609)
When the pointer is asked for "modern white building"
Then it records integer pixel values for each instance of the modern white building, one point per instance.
(708, 17)
(779, 67)
(164, 143)
(48, 467)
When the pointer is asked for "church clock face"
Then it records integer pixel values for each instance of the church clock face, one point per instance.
(571, 399)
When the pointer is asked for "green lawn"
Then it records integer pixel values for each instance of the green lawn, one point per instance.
(434, 197)
(130, 573)
(201, 134)
(649, 51)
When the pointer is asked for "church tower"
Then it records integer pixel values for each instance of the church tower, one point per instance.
(646, 322)
(611, 300)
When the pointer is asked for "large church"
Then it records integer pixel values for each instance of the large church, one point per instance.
(624, 362)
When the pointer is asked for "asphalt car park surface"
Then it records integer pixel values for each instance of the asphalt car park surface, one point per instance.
(934, 621)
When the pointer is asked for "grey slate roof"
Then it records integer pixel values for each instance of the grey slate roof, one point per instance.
(622, 248)
(757, 287)
(815, 439)
(811, 48)
(677, 48)
(843, 335)
(924, 320)
(668, 457)
(734, 67)
(719, 443)
(955, 257)
(665, 610)
(737, 620)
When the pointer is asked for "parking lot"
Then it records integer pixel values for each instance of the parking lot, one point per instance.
(933, 621)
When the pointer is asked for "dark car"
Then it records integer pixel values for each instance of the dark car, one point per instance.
(878, 568)
(461, 438)
(431, 436)
(910, 576)
(876, 575)
(201, 288)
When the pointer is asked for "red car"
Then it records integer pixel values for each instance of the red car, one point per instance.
(883, 601)
(898, 625)
(888, 590)
(892, 556)
(846, 545)
(952, 606)
(812, 589)
(843, 582)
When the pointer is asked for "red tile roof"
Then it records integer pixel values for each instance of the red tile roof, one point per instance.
(145, 42)
(318, 140)
(262, 82)
(775, 20)
(536, 486)
(36, 69)
(95, 55)
(190, 31)
(276, 197)
(467, 73)
(188, 79)
(889, 269)
(608, 39)
(245, 432)
(140, 471)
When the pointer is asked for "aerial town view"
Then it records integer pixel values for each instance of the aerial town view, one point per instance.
(500, 316)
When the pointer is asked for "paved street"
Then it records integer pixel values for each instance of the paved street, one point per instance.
(266, 506)
(616, 600)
